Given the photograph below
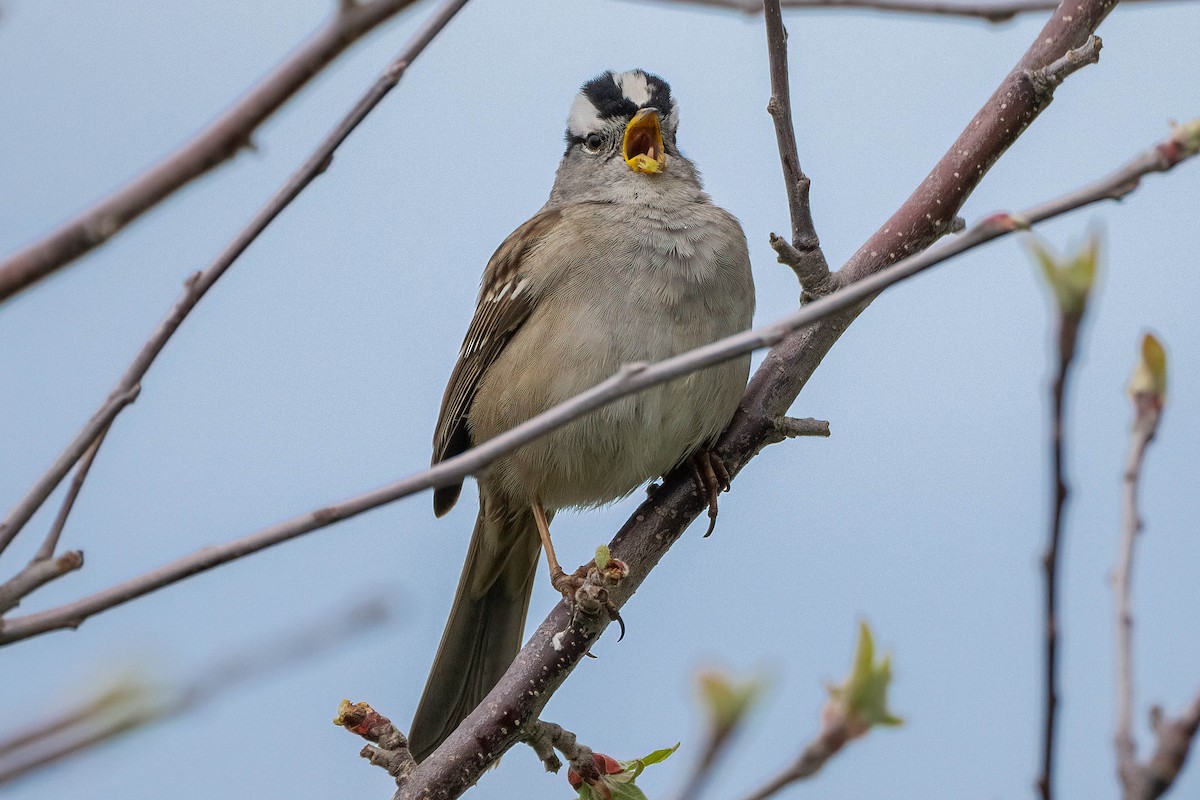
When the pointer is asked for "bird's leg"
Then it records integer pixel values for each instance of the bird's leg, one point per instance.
(566, 584)
(712, 478)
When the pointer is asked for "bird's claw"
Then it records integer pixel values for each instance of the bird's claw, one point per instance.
(585, 591)
(712, 478)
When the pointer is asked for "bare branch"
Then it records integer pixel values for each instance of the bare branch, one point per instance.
(36, 574)
(50, 544)
(125, 393)
(136, 700)
(728, 703)
(804, 255)
(811, 760)
(1142, 433)
(217, 143)
(200, 282)
(792, 427)
(1068, 64)
(630, 379)
(546, 737)
(988, 10)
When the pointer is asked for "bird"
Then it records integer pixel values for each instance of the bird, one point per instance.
(628, 261)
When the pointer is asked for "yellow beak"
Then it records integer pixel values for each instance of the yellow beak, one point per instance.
(643, 145)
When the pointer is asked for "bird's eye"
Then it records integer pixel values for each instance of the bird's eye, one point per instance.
(592, 142)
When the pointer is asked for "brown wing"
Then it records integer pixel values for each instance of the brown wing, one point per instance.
(505, 301)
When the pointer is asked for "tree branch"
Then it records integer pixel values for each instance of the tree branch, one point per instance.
(125, 393)
(50, 543)
(219, 142)
(546, 737)
(388, 747)
(1149, 780)
(136, 700)
(1072, 283)
(988, 10)
(36, 574)
(811, 760)
(1142, 433)
(674, 504)
(199, 283)
(1175, 739)
(804, 255)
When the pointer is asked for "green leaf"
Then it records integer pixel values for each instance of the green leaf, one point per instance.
(1187, 137)
(861, 700)
(1071, 277)
(728, 700)
(659, 755)
(603, 554)
(1150, 373)
(635, 767)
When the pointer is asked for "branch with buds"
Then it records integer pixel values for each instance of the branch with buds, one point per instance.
(1152, 778)
(1071, 280)
(855, 706)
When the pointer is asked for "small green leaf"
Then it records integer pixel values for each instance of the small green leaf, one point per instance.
(1187, 137)
(1071, 277)
(622, 785)
(861, 700)
(602, 556)
(727, 699)
(659, 755)
(635, 767)
(1150, 374)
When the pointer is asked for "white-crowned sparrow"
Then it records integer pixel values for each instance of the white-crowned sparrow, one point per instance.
(629, 260)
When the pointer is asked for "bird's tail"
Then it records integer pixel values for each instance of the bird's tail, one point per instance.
(486, 623)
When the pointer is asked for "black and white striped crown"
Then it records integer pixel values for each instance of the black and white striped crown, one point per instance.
(617, 94)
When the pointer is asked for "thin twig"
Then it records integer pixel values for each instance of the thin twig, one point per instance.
(995, 11)
(125, 393)
(1068, 64)
(792, 427)
(716, 744)
(546, 737)
(45, 567)
(216, 144)
(630, 379)
(37, 573)
(1144, 427)
(1068, 334)
(1149, 780)
(804, 255)
(388, 747)
(136, 701)
(811, 760)
(200, 282)
(50, 544)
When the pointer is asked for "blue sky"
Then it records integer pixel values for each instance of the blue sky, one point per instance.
(313, 371)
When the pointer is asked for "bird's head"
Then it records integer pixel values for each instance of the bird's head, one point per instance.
(621, 137)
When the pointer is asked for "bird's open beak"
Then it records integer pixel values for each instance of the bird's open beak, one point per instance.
(643, 146)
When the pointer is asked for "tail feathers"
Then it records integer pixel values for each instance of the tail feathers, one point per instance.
(485, 628)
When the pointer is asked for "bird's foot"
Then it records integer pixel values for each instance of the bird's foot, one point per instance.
(712, 478)
(586, 590)
(569, 585)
